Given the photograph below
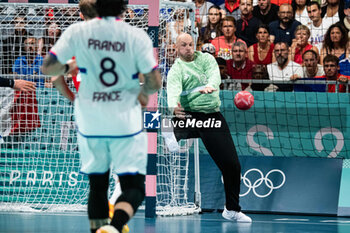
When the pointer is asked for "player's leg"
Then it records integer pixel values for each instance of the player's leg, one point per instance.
(112, 201)
(98, 210)
(129, 158)
(133, 193)
(95, 162)
(219, 143)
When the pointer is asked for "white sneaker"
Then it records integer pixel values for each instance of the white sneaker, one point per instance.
(236, 216)
(107, 229)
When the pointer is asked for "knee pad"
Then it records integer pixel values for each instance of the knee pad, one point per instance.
(133, 187)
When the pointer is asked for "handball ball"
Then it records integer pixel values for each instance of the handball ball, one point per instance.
(244, 100)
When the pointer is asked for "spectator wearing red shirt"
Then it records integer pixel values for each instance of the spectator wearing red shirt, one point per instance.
(331, 70)
(240, 67)
(223, 44)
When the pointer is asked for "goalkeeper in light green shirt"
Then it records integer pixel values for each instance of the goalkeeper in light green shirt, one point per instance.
(193, 97)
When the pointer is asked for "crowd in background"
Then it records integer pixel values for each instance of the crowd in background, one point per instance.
(277, 40)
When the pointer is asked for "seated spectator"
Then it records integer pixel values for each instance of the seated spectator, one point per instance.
(12, 46)
(280, 2)
(231, 8)
(223, 73)
(30, 63)
(318, 27)
(52, 34)
(169, 55)
(283, 69)
(346, 21)
(301, 44)
(335, 42)
(331, 67)
(311, 68)
(240, 67)
(202, 8)
(333, 11)
(247, 25)
(266, 11)
(223, 44)
(262, 52)
(300, 11)
(212, 30)
(283, 30)
(344, 66)
(179, 25)
(259, 72)
(208, 48)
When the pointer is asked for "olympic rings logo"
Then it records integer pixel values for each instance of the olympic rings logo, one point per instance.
(268, 182)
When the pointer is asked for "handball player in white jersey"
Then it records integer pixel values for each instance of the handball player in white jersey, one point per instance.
(109, 54)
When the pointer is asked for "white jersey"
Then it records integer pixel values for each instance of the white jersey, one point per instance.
(276, 74)
(317, 33)
(110, 54)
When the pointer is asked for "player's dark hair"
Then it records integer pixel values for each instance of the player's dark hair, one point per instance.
(88, 9)
(110, 7)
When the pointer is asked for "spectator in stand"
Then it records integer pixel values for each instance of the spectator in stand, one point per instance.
(223, 44)
(266, 11)
(318, 27)
(212, 30)
(311, 68)
(217, 2)
(262, 52)
(240, 67)
(331, 68)
(300, 11)
(335, 42)
(231, 8)
(178, 25)
(344, 66)
(29, 64)
(283, 69)
(52, 34)
(301, 44)
(202, 8)
(247, 25)
(346, 21)
(280, 2)
(259, 72)
(12, 47)
(282, 30)
(25, 109)
(223, 73)
(333, 11)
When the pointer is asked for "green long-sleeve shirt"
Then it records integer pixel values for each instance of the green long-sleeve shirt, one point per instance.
(185, 79)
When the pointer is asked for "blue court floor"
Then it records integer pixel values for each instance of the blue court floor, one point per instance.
(207, 222)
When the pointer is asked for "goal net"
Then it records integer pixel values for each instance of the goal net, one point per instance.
(39, 169)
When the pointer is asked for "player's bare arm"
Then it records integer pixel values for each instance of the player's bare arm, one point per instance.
(62, 87)
(51, 66)
(152, 83)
